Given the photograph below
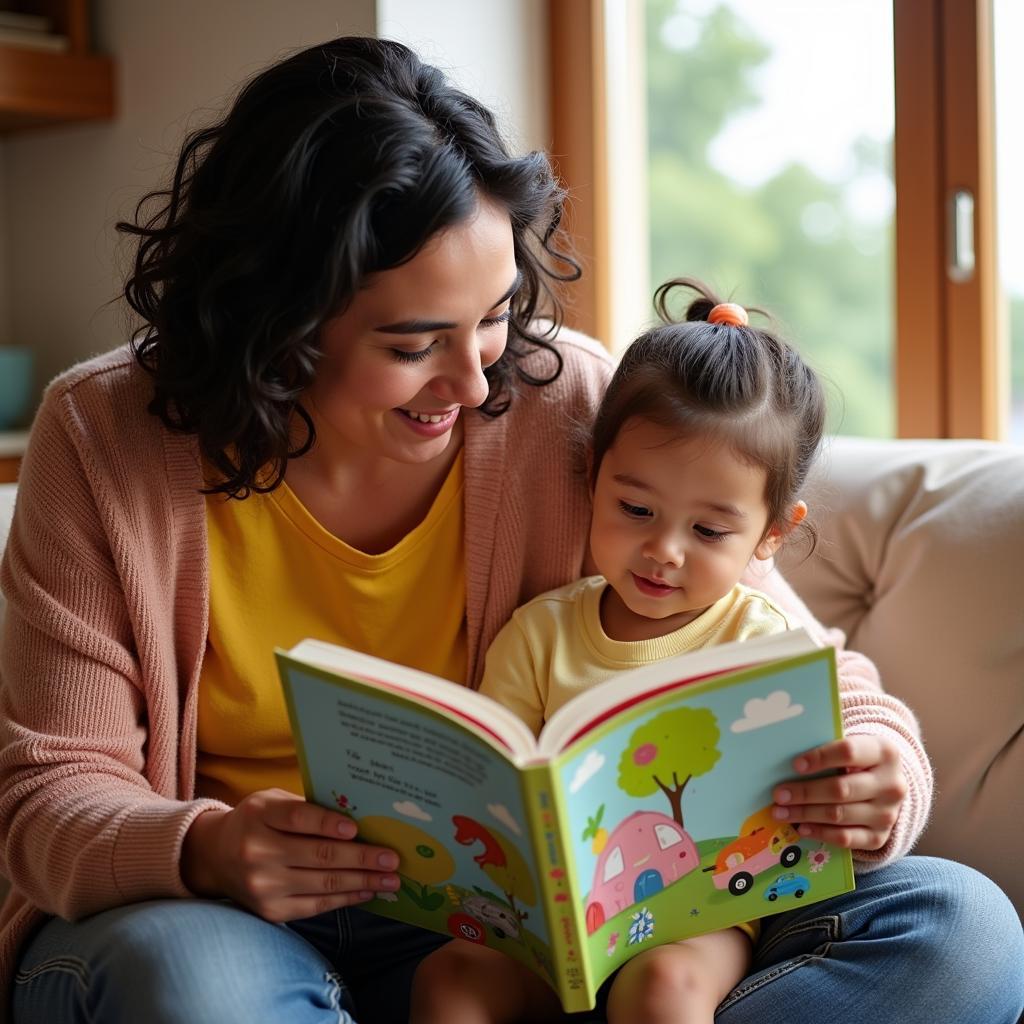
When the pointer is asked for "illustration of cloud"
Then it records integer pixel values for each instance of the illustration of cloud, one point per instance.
(501, 813)
(759, 712)
(592, 764)
(411, 810)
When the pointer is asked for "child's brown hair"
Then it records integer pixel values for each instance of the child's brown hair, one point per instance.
(738, 384)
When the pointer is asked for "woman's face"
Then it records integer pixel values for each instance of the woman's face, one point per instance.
(408, 353)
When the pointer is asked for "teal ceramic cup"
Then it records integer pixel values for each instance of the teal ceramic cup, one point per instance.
(15, 385)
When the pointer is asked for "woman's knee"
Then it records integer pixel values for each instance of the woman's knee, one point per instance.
(182, 960)
(962, 926)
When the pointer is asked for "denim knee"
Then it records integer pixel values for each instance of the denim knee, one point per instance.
(175, 961)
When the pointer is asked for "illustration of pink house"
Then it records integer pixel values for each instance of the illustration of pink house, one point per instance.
(646, 852)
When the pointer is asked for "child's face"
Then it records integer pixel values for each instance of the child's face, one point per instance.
(675, 523)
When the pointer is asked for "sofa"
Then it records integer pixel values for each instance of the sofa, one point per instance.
(919, 556)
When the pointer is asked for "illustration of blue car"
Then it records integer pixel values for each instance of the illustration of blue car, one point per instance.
(785, 885)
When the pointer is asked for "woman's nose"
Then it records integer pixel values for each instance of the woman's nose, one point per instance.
(461, 380)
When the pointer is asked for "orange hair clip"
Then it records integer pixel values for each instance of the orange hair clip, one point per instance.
(729, 313)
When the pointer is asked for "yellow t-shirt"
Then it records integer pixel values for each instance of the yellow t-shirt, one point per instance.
(276, 577)
(555, 647)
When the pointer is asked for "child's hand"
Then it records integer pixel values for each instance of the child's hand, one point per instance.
(856, 808)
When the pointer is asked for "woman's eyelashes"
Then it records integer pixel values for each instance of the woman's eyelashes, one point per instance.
(493, 321)
(404, 355)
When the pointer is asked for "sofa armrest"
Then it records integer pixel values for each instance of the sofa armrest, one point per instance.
(919, 561)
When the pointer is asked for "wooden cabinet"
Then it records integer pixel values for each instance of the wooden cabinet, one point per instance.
(40, 87)
(12, 447)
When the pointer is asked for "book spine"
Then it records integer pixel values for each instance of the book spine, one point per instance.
(560, 900)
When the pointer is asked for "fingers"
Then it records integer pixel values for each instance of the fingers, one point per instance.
(794, 797)
(333, 854)
(290, 859)
(856, 808)
(856, 752)
(287, 812)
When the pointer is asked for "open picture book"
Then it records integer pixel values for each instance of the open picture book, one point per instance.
(641, 815)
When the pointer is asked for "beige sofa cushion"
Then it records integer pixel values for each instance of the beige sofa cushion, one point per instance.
(920, 562)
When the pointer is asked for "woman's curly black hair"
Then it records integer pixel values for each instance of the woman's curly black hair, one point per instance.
(340, 161)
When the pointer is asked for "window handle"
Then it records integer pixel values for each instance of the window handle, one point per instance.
(961, 235)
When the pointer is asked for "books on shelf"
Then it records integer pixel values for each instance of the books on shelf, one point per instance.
(640, 815)
(30, 31)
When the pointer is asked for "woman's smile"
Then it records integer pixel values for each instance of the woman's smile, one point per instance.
(430, 424)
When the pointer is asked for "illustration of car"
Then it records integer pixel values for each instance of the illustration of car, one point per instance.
(763, 843)
(786, 884)
(646, 851)
(502, 921)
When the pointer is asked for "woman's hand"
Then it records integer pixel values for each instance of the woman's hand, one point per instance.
(856, 808)
(283, 858)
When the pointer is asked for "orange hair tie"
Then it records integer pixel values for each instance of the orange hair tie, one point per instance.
(729, 313)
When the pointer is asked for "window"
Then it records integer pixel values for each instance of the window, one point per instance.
(614, 865)
(1008, 32)
(667, 836)
(833, 161)
(770, 175)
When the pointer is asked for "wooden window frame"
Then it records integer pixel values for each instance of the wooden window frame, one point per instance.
(951, 350)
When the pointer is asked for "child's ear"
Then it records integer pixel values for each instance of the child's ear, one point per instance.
(773, 539)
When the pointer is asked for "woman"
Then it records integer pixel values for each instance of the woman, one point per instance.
(340, 292)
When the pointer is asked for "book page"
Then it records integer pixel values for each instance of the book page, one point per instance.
(589, 709)
(438, 794)
(669, 809)
(492, 720)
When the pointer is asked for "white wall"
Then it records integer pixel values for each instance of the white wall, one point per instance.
(496, 50)
(177, 64)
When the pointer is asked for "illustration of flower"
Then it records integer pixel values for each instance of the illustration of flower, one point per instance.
(642, 927)
(818, 858)
(613, 941)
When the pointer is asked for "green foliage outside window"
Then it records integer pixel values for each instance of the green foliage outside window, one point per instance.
(791, 244)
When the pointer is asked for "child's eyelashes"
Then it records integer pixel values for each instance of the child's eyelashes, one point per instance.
(634, 511)
(709, 535)
(706, 533)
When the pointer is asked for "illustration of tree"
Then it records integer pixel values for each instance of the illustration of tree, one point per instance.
(668, 751)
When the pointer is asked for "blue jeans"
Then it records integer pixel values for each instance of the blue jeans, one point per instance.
(203, 962)
(919, 942)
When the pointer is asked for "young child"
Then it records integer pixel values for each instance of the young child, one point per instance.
(699, 451)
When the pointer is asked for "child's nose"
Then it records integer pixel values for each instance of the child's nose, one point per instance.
(667, 549)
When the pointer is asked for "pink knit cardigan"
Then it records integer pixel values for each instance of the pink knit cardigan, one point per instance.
(106, 578)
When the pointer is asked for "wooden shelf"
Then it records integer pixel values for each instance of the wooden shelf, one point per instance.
(42, 87)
